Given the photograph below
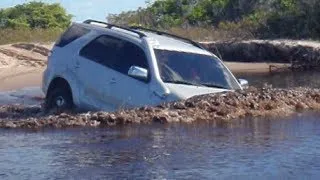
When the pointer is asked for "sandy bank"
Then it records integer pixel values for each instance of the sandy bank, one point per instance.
(299, 53)
(21, 65)
(250, 67)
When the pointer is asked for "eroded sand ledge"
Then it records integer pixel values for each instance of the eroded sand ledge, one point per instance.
(218, 108)
(304, 54)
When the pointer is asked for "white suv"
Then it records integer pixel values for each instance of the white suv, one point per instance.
(100, 66)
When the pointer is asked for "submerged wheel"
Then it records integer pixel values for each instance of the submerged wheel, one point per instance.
(59, 99)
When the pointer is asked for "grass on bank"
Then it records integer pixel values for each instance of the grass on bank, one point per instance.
(8, 36)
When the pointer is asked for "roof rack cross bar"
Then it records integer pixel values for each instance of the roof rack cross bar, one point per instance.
(168, 34)
(109, 26)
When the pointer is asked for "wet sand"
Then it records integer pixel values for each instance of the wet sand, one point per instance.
(22, 80)
(243, 67)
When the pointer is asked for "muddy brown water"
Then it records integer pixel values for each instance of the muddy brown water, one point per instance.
(247, 149)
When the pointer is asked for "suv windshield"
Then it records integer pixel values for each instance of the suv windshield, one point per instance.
(194, 69)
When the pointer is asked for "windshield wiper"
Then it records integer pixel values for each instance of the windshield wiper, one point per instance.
(195, 84)
(183, 82)
(214, 86)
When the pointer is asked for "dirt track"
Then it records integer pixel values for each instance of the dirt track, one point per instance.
(21, 65)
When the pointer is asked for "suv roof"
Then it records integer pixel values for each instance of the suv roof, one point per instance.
(163, 40)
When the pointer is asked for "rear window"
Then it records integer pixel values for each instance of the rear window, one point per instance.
(73, 33)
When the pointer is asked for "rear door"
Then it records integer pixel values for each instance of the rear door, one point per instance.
(103, 67)
(126, 91)
(93, 74)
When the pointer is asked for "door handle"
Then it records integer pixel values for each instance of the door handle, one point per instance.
(162, 95)
(77, 65)
(113, 81)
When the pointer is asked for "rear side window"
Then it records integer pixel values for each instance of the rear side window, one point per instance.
(115, 53)
(73, 33)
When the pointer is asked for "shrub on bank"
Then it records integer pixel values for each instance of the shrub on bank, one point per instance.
(32, 22)
(271, 19)
(35, 15)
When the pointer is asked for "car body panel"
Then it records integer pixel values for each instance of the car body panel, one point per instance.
(188, 91)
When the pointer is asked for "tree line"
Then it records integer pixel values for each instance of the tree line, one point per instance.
(261, 18)
(35, 15)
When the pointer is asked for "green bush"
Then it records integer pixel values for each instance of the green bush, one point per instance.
(35, 15)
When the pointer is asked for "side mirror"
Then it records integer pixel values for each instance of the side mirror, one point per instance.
(244, 83)
(138, 73)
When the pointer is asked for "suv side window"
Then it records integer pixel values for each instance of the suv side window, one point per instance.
(115, 53)
(73, 33)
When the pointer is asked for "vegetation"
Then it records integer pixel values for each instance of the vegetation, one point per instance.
(34, 21)
(35, 15)
(246, 18)
(197, 19)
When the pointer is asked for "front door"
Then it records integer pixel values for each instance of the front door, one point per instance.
(103, 72)
(125, 91)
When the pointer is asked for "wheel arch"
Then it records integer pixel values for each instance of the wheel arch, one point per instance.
(59, 81)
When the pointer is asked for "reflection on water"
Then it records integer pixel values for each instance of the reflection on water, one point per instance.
(249, 149)
(284, 79)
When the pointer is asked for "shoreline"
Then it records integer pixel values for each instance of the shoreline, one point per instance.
(22, 64)
(256, 68)
(22, 80)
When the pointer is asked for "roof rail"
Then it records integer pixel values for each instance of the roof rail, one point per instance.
(109, 26)
(168, 34)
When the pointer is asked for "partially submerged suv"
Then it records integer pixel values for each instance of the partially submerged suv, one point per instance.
(100, 66)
